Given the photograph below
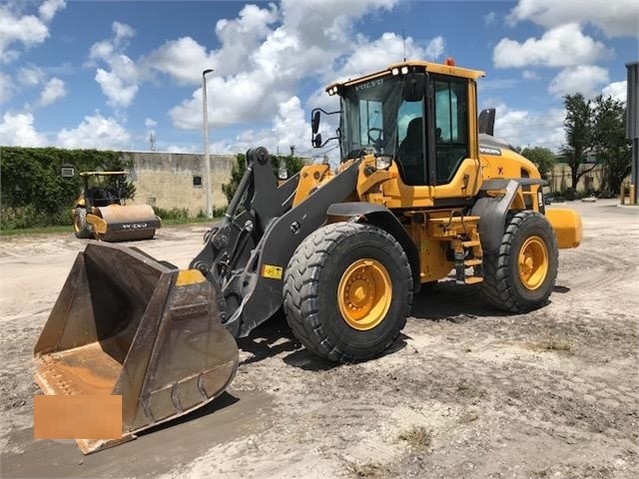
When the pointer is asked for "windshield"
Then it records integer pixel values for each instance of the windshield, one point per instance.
(376, 117)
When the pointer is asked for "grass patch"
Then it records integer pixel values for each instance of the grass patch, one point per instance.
(556, 343)
(368, 470)
(42, 230)
(418, 437)
(188, 221)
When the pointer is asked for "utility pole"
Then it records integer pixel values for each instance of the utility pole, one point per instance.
(207, 162)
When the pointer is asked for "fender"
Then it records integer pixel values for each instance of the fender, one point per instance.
(383, 218)
(493, 210)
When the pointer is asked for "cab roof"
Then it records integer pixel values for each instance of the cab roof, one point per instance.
(418, 65)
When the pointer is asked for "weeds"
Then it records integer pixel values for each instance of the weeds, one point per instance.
(555, 343)
(368, 470)
(418, 437)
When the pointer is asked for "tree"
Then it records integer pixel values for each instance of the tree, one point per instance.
(610, 143)
(543, 158)
(293, 165)
(579, 127)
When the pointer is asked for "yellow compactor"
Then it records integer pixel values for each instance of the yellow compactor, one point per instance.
(101, 213)
(423, 192)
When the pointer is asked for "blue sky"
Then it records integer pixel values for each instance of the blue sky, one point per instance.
(104, 74)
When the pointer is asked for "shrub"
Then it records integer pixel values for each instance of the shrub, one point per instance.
(570, 194)
(172, 214)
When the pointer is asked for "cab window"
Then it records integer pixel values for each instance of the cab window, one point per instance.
(451, 126)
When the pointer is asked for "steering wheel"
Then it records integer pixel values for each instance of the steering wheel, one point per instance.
(376, 142)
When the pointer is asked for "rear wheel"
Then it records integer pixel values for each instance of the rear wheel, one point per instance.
(80, 225)
(347, 291)
(521, 276)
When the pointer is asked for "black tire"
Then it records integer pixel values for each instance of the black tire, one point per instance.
(503, 286)
(80, 225)
(311, 284)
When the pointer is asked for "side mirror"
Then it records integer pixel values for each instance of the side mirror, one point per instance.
(413, 87)
(486, 121)
(317, 140)
(315, 121)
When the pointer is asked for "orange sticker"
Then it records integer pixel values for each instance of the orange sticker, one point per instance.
(77, 417)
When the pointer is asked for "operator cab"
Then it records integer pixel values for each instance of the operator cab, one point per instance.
(417, 113)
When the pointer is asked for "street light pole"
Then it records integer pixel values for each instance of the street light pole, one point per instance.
(207, 162)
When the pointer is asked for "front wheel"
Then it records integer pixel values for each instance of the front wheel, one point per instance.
(347, 291)
(521, 275)
(80, 225)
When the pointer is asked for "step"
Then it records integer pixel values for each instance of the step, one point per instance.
(472, 262)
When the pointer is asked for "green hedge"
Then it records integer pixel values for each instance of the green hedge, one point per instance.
(293, 165)
(33, 192)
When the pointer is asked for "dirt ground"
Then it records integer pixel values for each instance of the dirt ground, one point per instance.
(465, 392)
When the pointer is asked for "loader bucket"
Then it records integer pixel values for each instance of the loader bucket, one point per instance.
(126, 324)
(124, 223)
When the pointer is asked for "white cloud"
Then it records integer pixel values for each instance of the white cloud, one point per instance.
(561, 46)
(614, 18)
(115, 88)
(122, 31)
(52, 92)
(490, 18)
(24, 30)
(6, 87)
(530, 75)
(31, 75)
(585, 79)
(434, 49)
(617, 90)
(289, 128)
(183, 59)
(149, 123)
(95, 132)
(526, 128)
(18, 130)
(310, 37)
(49, 8)
(369, 56)
(120, 82)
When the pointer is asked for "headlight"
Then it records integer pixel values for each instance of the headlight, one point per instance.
(383, 162)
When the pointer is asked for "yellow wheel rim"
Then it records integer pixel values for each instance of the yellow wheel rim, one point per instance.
(533, 262)
(364, 294)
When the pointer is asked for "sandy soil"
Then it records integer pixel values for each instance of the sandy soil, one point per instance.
(466, 392)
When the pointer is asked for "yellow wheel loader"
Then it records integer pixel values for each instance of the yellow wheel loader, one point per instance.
(423, 189)
(99, 212)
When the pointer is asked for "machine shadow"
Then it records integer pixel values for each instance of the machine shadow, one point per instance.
(268, 339)
(274, 337)
(224, 400)
(448, 301)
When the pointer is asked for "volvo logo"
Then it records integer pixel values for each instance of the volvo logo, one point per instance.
(134, 226)
(370, 84)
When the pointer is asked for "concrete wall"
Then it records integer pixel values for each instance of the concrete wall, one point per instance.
(560, 178)
(166, 179)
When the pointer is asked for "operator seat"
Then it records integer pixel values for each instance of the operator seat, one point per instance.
(410, 153)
